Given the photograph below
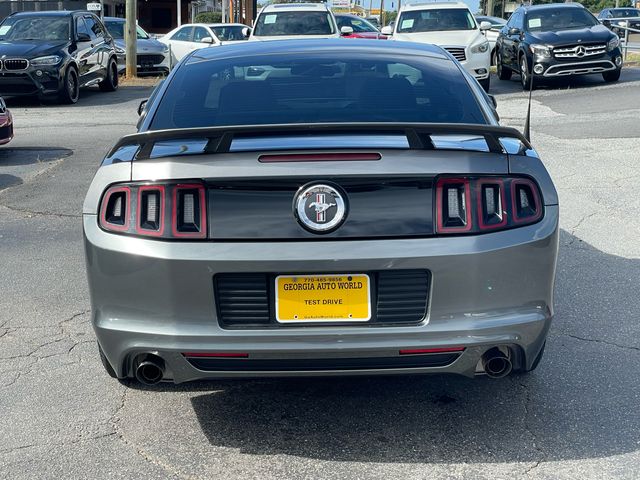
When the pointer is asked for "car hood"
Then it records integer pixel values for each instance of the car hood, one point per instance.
(31, 49)
(597, 33)
(145, 45)
(448, 38)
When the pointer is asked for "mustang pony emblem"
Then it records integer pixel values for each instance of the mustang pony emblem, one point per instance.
(320, 208)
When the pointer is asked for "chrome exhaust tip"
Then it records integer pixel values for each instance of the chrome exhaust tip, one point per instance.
(496, 364)
(150, 370)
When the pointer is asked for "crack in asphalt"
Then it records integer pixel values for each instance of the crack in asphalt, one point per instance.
(605, 342)
(33, 213)
(527, 426)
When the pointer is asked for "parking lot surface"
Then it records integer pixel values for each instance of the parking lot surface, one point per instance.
(574, 417)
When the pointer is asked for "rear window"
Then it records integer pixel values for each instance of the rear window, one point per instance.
(275, 24)
(317, 88)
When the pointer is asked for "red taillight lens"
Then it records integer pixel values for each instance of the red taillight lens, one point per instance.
(499, 203)
(145, 209)
(116, 209)
(189, 218)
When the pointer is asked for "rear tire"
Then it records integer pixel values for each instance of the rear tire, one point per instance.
(612, 75)
(70, 91)
(485, 83)
(110, 83)
(525, 78)
(504, 73)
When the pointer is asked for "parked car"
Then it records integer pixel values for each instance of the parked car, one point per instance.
(492, 35)
(295, 20)
(194, 36)
(6, 123)
(614, 18)
(152, 55)
(55, 54)
(358, 211)
(452, 26)
(556, 40)
(352, 26)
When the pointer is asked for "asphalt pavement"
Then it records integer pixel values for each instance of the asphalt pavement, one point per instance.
(575, 417)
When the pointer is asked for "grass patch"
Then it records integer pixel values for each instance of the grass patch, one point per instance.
(140, 81)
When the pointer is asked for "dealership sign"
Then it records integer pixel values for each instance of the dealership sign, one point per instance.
(94, 7)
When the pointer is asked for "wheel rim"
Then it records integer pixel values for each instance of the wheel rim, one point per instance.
(72, 85)
(114, 75)
(498, 64)
(523, 71)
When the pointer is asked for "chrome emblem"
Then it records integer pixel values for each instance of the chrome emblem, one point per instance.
(320, 208)
(580, 51)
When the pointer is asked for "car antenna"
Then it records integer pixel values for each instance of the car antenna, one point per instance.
(527, 122)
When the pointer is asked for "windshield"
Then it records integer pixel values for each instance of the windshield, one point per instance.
(294, 23)
(625, 12)
(359, 25)
(46, 28)
(229, 33)
(116, 29)
(436, 20)
(315, 88)
(552, 19)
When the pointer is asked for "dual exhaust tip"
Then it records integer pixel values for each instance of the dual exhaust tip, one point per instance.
(150, 368)
(496, 364)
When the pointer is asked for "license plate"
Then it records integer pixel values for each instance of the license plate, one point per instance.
(323, 298)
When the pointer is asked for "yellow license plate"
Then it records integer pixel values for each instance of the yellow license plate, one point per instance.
(323, 298)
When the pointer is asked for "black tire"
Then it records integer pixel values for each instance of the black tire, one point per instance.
(526, 79)
(504, 73)
(110, 83)
(105, 363)
(70, 91)
(485, 83)
(612, 75)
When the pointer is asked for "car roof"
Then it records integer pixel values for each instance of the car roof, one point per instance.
(361, 47)
(50, 13)
(433, 6)
(311, 7)
(550, 6)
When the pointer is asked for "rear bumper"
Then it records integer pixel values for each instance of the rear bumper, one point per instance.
(158, 297)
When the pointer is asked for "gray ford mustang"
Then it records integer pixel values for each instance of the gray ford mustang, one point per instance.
(320, 208)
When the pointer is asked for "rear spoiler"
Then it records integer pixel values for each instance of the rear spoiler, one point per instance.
(418, 135)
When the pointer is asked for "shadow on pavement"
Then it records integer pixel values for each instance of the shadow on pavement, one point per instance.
(629, 74)
(581, 402)
(9, 181)
(89, 97)
(26, 155)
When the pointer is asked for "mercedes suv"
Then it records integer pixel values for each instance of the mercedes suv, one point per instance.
(556, 40)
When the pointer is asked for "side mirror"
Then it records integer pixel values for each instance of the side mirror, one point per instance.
(607, 23)
(142, 106)
(387, 30)
(346, 30)
(485, 26)
(246, 31)
(83, 37)
(514, 31)
(494, 101)
(206, 40)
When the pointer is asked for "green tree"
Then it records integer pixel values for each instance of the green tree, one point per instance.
(209, 17)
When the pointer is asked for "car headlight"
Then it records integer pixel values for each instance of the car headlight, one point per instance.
(120, 51)
(613, 43)
(481, 48)
(48, 60)
(165, 48)
(541, 50)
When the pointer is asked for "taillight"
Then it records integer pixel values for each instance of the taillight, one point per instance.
(481, 204)
(145, 210)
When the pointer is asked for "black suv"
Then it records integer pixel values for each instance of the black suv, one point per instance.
(556, 40)
(54, 54)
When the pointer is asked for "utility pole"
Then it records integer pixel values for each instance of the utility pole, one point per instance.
(224, 11)
(490, 8)
(131, 38)
(382, 13)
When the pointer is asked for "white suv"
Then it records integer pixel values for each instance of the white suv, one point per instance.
(451, 26)
(295, 20)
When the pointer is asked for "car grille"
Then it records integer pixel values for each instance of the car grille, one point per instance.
(6, 132)
(247, 300)
(150, 59)
(579, 51)
(457, 52)
(15, 64)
